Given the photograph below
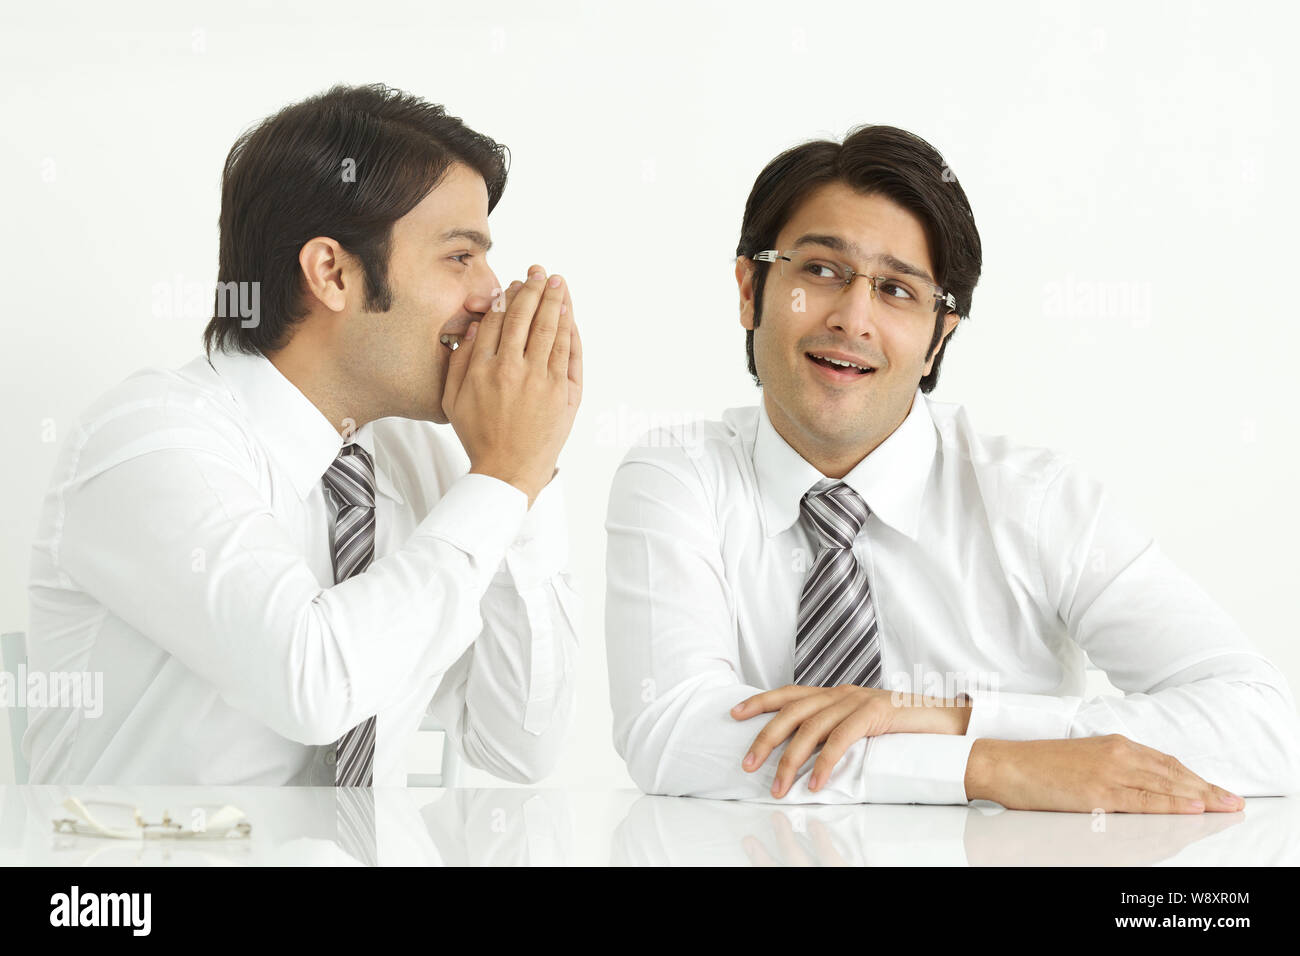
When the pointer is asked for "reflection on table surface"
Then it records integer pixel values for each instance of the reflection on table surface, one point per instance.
(390, 826)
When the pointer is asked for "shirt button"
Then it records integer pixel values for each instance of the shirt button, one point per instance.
(331, 757)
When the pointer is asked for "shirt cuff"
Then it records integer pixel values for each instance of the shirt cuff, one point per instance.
(479, 515)
(1020, 716)
(917, 768)
(541, 549)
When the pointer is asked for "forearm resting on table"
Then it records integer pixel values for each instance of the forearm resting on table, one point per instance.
(984, 755)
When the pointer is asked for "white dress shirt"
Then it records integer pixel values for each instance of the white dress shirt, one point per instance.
(183, 551)
(993, 567)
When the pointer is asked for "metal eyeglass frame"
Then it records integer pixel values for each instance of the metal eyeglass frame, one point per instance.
(940, 297)
(226, 823)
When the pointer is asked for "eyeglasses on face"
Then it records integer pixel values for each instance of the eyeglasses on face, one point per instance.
(819, 275)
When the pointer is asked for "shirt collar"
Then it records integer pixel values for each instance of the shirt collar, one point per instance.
(295, 433)
(891, 480)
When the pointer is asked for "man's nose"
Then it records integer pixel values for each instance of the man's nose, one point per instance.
(486, 291)
(855, 309)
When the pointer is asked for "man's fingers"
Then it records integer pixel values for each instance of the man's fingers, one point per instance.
(812, 731)
(1185, 783)
(575, 357)
(493, 321)
(457, 363)
(782, 726)
(558, 363)
(849, 731)
(1216, 798)
(489, 333)
(1157, 782)
(771, 700)
(519, 315)
(1148, 801)
(505, 297)
(546, 323)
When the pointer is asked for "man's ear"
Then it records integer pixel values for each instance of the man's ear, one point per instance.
(745, 281)
(949, 323)
(323, 264)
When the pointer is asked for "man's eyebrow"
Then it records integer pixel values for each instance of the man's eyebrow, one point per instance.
(473, 235)
(847, 248)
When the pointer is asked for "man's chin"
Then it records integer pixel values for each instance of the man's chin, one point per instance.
(837, 427)
(424, 413)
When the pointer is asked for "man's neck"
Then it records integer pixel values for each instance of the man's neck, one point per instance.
(833, 462)
(315, 375)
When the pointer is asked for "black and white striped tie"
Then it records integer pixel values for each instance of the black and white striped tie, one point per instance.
(836, 640)
(350, 482)
(354, 823)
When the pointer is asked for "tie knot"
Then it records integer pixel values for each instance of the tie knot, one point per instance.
(836, 513)
(351, 477)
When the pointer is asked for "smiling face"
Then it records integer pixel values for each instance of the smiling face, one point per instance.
(440, 282)
(835, 417)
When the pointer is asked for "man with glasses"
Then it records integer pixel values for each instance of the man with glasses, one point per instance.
(848, 594)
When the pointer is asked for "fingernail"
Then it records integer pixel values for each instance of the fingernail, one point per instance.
(537, 274)
(749, 760)
(776, 787)
(814, 782)
(1197, 805)
(554, 282)
(471, 332)
(564, 309)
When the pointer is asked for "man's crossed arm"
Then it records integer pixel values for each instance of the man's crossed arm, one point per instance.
(1109, 773)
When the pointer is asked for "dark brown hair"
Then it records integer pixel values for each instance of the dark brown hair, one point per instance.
(287, 180)
(875, 160)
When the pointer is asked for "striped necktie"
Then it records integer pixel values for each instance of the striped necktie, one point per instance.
(836, 641)
(354, 823)
(350, 483)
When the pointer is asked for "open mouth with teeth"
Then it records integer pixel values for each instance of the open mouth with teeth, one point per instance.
(839, 368)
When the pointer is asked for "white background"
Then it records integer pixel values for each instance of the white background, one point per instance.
(1131, 168)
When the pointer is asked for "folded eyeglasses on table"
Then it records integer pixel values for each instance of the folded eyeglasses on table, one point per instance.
(124, 821)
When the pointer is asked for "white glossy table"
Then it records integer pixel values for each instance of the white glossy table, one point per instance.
(298, 826)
